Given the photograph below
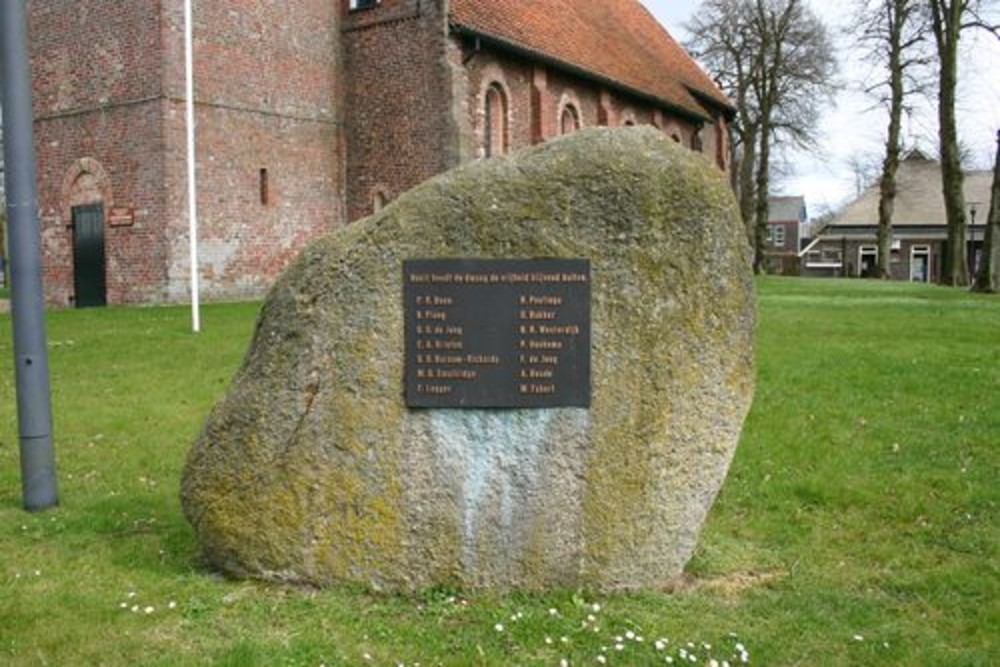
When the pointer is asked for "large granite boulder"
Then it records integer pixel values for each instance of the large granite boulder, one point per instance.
(313, 470)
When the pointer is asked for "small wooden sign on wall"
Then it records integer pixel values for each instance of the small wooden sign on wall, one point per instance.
(121, 216)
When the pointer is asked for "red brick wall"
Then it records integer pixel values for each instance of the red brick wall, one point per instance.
(266, 86)
(336, 105)
(244, 244)
(399, 125)
(537, 96)
(92, 53)
(97, 82)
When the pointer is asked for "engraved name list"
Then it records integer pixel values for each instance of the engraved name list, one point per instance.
(497, 333)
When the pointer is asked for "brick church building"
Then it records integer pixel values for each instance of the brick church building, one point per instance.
(310, 114)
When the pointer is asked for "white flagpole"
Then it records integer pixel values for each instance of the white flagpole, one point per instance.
(192, 190)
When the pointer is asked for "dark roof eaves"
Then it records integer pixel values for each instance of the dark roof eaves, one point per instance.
(726, 108)
(528, 52)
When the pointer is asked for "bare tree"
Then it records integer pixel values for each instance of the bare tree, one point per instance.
(865, 168)
(949, 18)
(988, 278)
(732, 55)
(892, 34)
(775, 59)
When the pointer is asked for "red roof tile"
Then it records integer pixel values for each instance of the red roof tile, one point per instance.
(615, 40)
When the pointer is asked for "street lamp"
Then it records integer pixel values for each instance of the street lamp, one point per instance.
(973, 209)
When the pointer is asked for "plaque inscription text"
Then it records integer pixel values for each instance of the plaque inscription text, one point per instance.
(497, 333)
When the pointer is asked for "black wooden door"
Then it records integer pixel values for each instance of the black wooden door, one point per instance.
(88, 255)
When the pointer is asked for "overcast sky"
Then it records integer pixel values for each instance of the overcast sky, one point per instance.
(849, 129)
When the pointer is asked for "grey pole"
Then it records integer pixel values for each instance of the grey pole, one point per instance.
(31, 362)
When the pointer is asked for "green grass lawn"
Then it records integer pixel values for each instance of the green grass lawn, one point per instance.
(858, 526)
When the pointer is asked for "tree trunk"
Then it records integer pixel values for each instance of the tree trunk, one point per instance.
(761, 206)
(988, 279)
(947, 20)
(747, 199)
(887, 184)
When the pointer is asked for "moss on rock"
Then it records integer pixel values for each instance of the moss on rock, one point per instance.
(312, 469)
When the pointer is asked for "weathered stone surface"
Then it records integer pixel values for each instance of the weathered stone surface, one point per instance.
(311, 468)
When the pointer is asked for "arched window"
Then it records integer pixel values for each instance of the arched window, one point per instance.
(570, 120)
(495, 121)
(379, 200)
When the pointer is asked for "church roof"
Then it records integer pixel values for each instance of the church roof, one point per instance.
(616, 41)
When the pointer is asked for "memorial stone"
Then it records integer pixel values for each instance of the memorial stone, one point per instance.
(528, 372)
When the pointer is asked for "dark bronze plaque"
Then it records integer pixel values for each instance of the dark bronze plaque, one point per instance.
(497, 333)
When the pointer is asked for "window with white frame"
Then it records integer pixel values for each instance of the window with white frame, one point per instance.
(777, 234)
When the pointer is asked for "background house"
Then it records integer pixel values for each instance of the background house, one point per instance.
(785, 218)
(847, 246)
(311, 114)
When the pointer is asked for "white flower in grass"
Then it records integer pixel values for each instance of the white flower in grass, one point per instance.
(619, 639)
(744, 657)
(564, 663)
(591, 618)
(498, 627)
(123, 605)
(619, 647)
(669, 660)
(740, 647)
(148, 610)
(640, 638)
(683, 653)
(135, 609)
(859, 638)
(564, 640)
(367, 656)
(601, 659)
(713, 663)
(553, 612)
(630, 635)
(171, 605)
(596, 607)
(548, 640)
(707, 647)
(659, 644)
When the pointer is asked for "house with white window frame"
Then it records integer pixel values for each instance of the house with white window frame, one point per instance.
(847, 245)
(785, 217)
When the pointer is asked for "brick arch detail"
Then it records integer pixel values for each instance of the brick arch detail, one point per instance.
(376, 192)
(68, 197)
(569, 98)
(492, 75)
(673, 130)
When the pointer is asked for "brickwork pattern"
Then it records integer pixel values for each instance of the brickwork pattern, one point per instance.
(399, 127)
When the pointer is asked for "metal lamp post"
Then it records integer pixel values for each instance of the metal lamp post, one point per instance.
(31, 363)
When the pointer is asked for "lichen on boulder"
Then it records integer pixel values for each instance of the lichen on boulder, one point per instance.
(312, 469)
